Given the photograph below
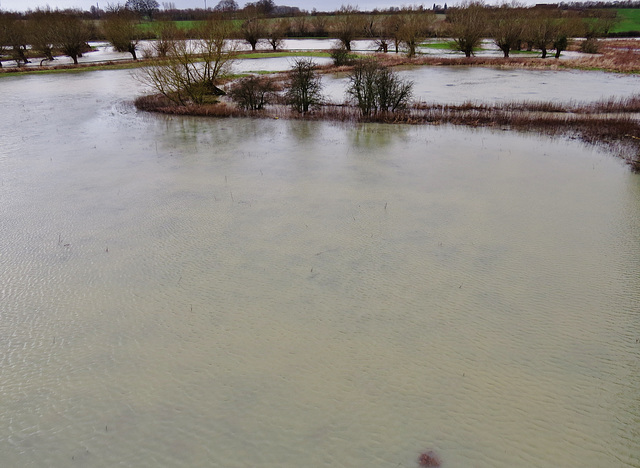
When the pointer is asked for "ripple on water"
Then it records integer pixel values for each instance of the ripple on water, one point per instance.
(295, 293)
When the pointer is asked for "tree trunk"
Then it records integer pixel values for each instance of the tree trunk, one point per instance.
(75, 59)
(544, 52)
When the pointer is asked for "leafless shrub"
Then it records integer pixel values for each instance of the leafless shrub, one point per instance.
(192, 69)
(304, 88)
(377, 89)
(590, 46)
(252, 92)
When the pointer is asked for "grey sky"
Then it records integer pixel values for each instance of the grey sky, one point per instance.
(326, 5)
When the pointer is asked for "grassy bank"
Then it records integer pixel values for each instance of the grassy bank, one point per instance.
(628, 20)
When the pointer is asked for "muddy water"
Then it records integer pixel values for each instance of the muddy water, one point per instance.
(456, 85)
(192, 292)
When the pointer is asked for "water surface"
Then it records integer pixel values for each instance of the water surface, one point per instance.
(193, 292)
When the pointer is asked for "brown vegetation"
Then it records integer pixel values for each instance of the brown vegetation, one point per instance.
(430, 458)
(605, 123)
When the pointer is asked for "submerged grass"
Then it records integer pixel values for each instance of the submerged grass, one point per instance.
(70, 68)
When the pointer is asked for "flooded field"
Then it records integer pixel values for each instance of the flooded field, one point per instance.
(456, 85)
(103, 51)
(265, 293)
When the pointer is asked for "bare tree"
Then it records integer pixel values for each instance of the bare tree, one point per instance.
(73, 34)
(190, 72)
(506, 27)
(121, 29)
(217, 56)
(347, 26)
(252, 92)
(226, 6)
(376, 89)
(42, 29)
(16, 39)
(391, 26)
(143, 7)
(320, 24)
(252, 30)
(167, 33)
(543, 28)
(263, 7)
(5, 22)
(568, 26)
(468, 25)
(304, 90)
(375, 28)
(300, 25)
(276, 32)
(415, 27)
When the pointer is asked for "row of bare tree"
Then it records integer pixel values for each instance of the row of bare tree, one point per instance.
(47, 33)
(512, 27)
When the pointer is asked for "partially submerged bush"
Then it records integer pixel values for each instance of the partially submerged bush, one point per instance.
(376, 88)
(590, 46)
(341, 56)
(252, 92)
(304, 86)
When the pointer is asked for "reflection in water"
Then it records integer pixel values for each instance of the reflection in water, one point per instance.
(375, 136)
(302, 131)
(194, 292)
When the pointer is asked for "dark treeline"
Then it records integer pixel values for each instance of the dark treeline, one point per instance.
(167, 11)
(598, 5)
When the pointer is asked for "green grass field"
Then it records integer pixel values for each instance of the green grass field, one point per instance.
(147, 26)
(628, 20)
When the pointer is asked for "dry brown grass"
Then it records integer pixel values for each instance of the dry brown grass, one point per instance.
(620, 56)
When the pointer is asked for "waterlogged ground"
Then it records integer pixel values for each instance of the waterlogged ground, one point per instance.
(103, 51)
(456, 85)
(269, 293)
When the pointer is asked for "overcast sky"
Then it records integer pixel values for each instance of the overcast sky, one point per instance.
(325, 5)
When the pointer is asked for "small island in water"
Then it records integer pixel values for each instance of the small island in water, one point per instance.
(376, 92)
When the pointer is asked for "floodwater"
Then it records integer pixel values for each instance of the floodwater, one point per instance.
(192, 292)
(103, 51)
(456, 85)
